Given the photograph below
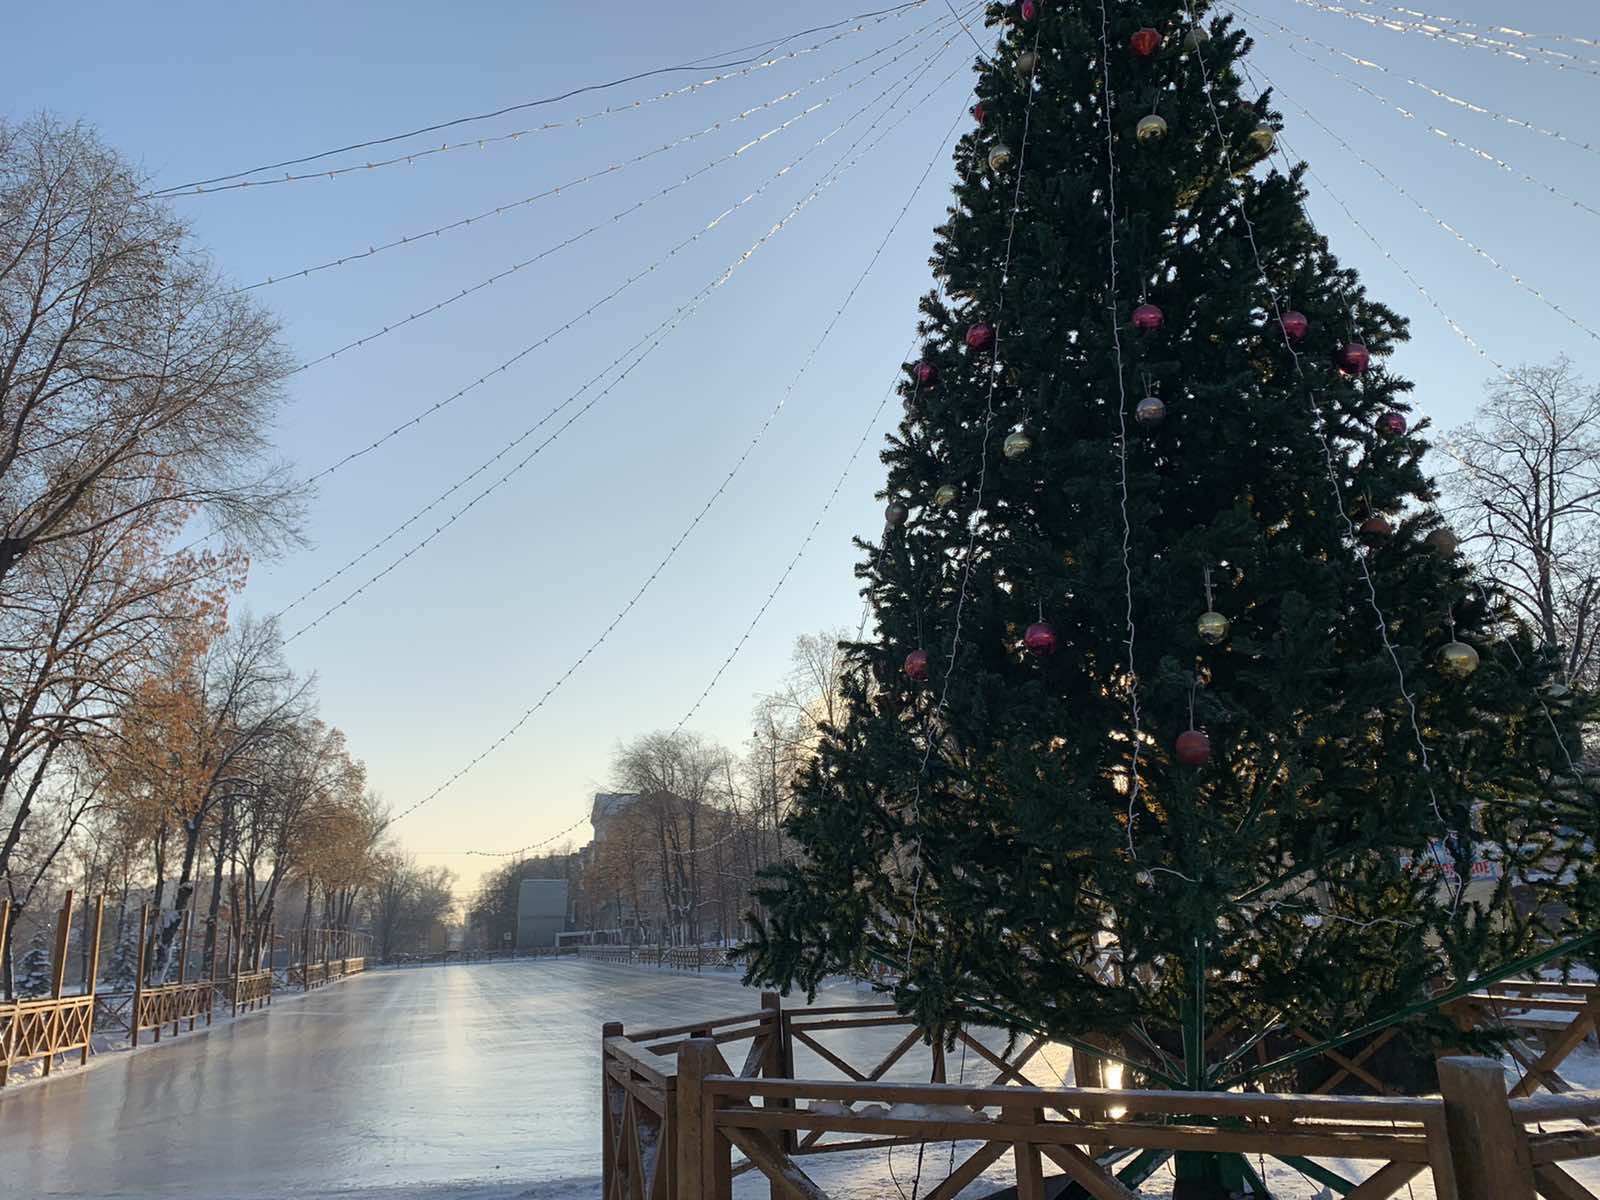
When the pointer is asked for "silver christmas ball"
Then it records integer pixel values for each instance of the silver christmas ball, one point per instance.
(1212, 627)
(1197, 36)
(946, 495)
(1442, 541)
(1016, 444)
(1027, 63)
(1264, 137)
(895, 514)
(1150, 412)
(1152, 128)
(1000, 158)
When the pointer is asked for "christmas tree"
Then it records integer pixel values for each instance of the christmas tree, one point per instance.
(34, 978)
(123, 971)
(1185, 715)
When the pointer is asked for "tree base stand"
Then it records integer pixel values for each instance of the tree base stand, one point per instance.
(1213, 1177)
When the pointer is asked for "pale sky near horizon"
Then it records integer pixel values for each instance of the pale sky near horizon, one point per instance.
(443, 655)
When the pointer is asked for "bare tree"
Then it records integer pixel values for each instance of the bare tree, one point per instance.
(1525, 498)
(130, 375)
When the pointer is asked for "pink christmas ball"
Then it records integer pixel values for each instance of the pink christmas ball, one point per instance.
(1040, 639)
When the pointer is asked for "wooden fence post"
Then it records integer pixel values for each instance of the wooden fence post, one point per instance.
(779, 1062)
(271, 944)
(138, 977)
(183, 970)
(705, 1157)
(92, 971)
(1487, 1146)
(609, 1163)
(58, 962)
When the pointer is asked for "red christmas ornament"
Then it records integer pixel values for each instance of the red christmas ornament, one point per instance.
(1193, 748)
(1028, 10)
(1146, 42)
(1147, 318)
(1354, 358)
(1392, 424)
(1375, 529)
(925, 374)
(916, 667)
(1295, 326)
(1040, 639)
(978, 113)
(980, 337)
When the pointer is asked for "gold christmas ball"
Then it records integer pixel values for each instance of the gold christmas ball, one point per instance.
(1017, 444)
(1264, 137)
(946, 495)
(1212, 627)
(1152, 128)
(1458, 660)
(1443, 542)
(1000, 158)
(1027, 63)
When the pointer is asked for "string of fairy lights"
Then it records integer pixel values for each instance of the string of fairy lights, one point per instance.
(923, 46)
(660, 333)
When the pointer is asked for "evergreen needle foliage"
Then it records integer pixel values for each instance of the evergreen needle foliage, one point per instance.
(1002, 834)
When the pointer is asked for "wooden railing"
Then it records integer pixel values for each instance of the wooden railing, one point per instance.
(172, 1004)
(680, 1119)
(248, 991)
(43, 1029)
(48, 1027)
(677, 958)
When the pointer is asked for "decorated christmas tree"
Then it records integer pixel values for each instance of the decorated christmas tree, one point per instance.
(34, 977)
(1185, 715)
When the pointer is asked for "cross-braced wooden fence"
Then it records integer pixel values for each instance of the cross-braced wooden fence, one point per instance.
(681, 1118)
(55, 1025)
(46, 1028)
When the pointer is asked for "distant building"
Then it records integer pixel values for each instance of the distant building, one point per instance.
(541, 912)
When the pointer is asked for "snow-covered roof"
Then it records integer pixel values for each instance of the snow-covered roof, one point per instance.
(611, 804)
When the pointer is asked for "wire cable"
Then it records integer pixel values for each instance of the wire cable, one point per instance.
(666, 559)
(616, 217)
(664, 328)
(454, 122)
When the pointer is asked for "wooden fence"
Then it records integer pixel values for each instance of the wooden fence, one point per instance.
(48, 1027)
(680, 1121)
(677, 958)
(58, 1024)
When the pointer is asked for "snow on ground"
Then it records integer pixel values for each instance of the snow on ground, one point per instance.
(463, 1082)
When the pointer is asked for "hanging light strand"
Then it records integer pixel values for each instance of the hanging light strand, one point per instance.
(831, 177)
(1478, 152)
(610, 169)
(1448, 228)
(759, 62)
(700, 232)
(1437, 93)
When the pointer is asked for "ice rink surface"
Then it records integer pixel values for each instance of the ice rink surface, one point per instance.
(463, 1082)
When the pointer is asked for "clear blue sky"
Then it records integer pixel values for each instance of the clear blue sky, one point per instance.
(443, 655)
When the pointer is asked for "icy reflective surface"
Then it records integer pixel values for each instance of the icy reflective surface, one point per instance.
(396, 1081)
(475, 1082)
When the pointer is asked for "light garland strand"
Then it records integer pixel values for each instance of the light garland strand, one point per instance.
(701, 231)
(664, 330)
(610, 169)
(1494, 262)
(1122, 421)
(748, 66)
(866, 432)
(608, 222)
(1478, 152)
(1317, 425)
(1436, 18)
(1437, 93)
(1533, 55)
(527, 715)
(975, 521)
